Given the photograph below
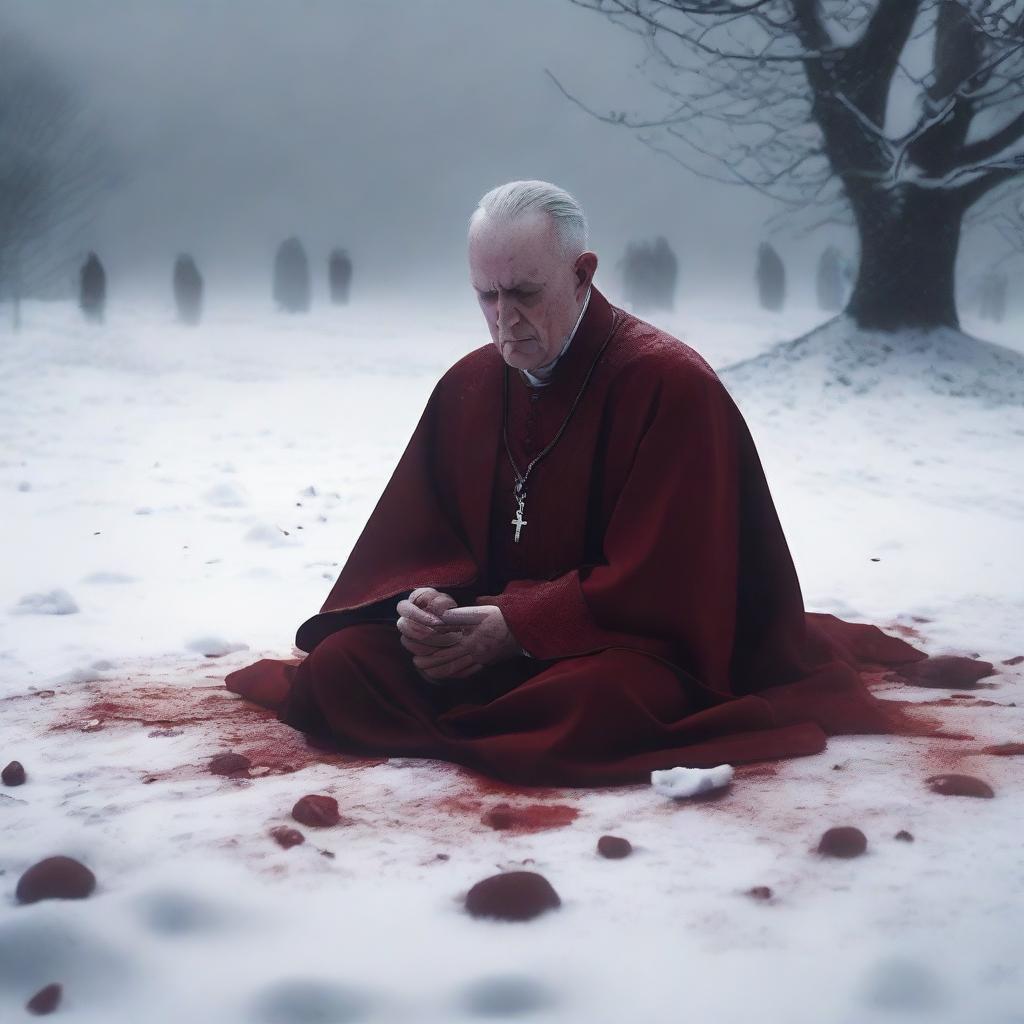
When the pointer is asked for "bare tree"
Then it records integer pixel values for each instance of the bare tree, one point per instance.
(51, 173)
(905, 112)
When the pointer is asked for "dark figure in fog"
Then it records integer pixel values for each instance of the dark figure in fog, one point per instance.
(188, 290)
(339, 275)
(771, 277)
(649, 273)
(291, 277)
(993, 296)
(92, 288)
(830, 280)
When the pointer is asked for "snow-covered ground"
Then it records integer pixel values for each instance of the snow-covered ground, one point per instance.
(175, 502)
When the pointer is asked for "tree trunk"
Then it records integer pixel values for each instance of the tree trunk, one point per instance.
(909, 238)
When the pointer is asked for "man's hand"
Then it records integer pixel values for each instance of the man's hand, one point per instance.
(422, 631)
(483, 637)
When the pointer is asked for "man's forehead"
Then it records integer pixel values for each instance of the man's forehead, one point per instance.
(511, 254)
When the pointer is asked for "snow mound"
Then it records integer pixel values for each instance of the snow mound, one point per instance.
(683, 782)
(845, 360)
(226, 495)
(52, 602)
(214, 646)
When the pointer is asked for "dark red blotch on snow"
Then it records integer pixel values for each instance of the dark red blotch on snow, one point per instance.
(46, 1000)
(512, 896)
(843, 841)
(55, 878)
(614, 847)
(959, 785)
(316, 811)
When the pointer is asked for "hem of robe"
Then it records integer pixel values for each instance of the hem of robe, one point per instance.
(776, 723)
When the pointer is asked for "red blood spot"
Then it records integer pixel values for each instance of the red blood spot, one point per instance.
(949, 671)
(13, 774)
(230, 764)
(959, 785)
(760, 892)
(1014, 661)
(532, 818)
(46, 1000)
(55, 878)
(513, 896)
(843, 841)
(209, 712)
(287, 837)
(1005, 749)
(614, 847)
(317, 811)
(904, 836)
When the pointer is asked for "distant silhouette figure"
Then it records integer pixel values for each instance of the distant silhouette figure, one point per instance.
(649, 272)
(188, 290)
(830, 280)
(339, 275)
(92, 288)
(771, 277)
(291, 277)
(993, 296)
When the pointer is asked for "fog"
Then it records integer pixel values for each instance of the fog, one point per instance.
(374, 125)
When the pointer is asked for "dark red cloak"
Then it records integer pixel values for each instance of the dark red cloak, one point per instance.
(650, 530)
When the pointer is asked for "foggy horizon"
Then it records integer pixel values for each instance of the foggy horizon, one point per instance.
(375, 127)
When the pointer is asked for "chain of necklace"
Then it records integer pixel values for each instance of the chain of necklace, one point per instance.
(520, 486)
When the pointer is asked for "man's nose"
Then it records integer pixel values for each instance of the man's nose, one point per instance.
(507, 312)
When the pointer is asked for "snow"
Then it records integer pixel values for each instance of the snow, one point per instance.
(683, 782)
(259, 444)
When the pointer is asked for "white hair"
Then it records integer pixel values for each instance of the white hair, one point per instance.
(519, 198)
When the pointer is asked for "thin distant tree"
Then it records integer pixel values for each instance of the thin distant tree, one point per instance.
(800, 99)
(54, 165)
(291, 277)
(771, 277)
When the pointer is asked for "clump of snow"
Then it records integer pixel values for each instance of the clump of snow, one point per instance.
(214, 646)
(50, 602)
(683, 782)
(226, 495)
(848, 360)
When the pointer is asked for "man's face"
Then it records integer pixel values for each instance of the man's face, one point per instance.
(529, 291)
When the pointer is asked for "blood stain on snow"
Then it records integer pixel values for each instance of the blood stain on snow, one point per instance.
(168, 710)
(529, 818)
(1005, 749)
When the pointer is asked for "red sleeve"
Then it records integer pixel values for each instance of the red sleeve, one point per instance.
(667, 583)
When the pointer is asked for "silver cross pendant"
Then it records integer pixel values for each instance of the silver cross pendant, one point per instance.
(519, 522)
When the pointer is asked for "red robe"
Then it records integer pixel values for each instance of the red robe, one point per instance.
(652, 584)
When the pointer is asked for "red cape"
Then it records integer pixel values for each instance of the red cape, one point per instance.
(650, 527)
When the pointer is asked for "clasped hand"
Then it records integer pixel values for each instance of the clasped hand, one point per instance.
(449, 642)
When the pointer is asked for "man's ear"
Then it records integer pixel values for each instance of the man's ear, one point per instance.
(586, 267)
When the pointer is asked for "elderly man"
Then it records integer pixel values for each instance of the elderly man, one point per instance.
(576, 574)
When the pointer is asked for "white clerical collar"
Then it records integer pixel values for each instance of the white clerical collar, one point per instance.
(542, 375)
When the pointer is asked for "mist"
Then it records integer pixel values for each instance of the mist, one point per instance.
(374, 126)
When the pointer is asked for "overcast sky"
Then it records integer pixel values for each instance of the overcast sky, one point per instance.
(370, 124)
